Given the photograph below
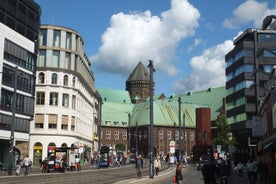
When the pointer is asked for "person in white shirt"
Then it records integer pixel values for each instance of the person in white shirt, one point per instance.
(27, 163)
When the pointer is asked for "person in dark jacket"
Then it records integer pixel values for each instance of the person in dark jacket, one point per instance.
(209, 172)
(178, 173)
(223, 171)
(139, 166)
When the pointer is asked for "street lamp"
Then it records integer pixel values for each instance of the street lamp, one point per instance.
(100, 122)
(184, 139)
(180, 133)
(151, 169)
(14, 101)
(128, 114)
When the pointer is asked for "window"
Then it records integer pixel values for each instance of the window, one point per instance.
(65, 100)
(38, 125)
(65, 80)
(41, 78)
(192, 136)
(43, 37)
(169, 135)
(19, 55)
(40, 98)
(73, 123)
(74, 102)
(116, 135)
(52, 121)
(39, 121)
(74, 81)
(42, 58)
(68, 40)
(56, 38)
(108, 134)
(161, 134)
(64, 122)
(176, 135)
(53, 98)
(124, 134)
(204, 135)
(66, 62)
(54, 78)
(54, 60)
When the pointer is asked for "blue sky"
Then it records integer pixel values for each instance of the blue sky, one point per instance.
(186, 40)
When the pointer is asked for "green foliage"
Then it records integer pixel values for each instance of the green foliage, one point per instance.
(224, 136)
(120, 147)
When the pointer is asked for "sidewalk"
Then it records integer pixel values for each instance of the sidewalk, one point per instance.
(36, 170)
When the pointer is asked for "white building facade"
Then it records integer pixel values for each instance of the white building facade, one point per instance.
(66, 106)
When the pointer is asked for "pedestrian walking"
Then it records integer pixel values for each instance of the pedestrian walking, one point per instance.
(178, 173)
(117, 161)
(1, 166)
(44, 165)
(139, 166)
(252, 171)
(19, 164)
(27, 162)
(157, 165)
(263, 172)
(209, 172)
(223, 171)
(92, 162)
(240, 169)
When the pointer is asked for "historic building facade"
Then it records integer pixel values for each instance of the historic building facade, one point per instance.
(66, 106)
(125, 118)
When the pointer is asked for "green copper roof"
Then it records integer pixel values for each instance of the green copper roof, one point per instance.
(212, 97)
(112, 95)
(115, 114)
(117, 105)
(165, 113)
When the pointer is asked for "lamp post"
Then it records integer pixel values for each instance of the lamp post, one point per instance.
(184, 139)
(128, 114)
(151, 169)
(180, 133)
(100, 123)
(136, 139)
(174, 124)
(14, 101)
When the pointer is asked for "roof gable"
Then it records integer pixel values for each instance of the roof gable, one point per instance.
(140, 73)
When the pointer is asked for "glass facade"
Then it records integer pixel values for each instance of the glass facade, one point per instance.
(19, 56)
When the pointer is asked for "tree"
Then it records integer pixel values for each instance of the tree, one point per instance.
(120, 147)
(224, 137)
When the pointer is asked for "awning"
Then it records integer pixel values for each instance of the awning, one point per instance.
(267, 146)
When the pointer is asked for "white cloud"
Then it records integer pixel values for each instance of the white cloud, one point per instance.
(140, 35)
(197, 41)
(249, 11)
(208, 69)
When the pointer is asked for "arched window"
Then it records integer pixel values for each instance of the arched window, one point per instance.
(74, 81)
(65, 80)
(54, 78)
(41, 78)
(51, 148)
